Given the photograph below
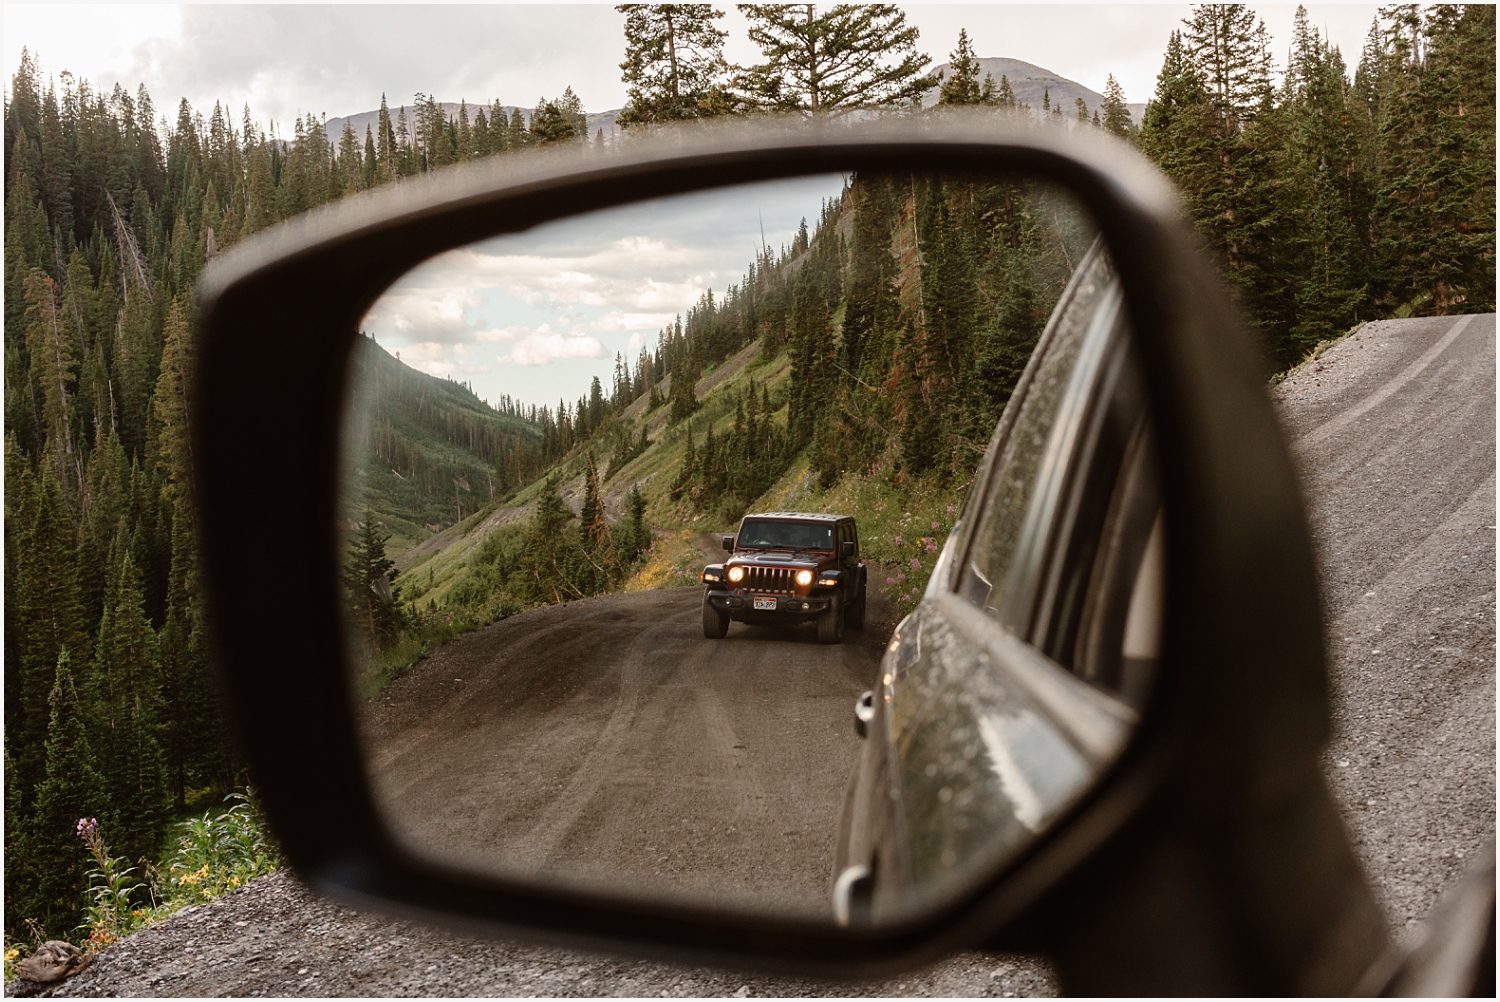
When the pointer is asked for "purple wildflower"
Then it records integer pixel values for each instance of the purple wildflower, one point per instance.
(916, 564)
(935, 526)
(87, 827)
(931, 546)
(898, 540)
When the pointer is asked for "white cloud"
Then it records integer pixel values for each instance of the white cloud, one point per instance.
(629, 276)
(445, 361)
(541, 348)
(619, 323)
(448, 315)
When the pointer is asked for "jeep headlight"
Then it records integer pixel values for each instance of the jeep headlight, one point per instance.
(804, 578)
(736, 575)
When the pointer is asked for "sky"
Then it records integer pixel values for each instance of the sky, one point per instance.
(287, 60)
(536, 315)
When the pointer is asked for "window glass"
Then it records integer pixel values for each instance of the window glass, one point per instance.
(1012, 489)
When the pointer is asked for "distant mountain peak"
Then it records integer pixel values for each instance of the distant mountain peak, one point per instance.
(1031, 83)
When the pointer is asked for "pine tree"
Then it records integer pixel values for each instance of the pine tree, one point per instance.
(47, 614)
(559, 120)
(961, 84)
(547, 563)
(674, 64)
(51, 888)
(52, 367)
(591, 515)
(1115, 115)
(1434, 206)
(126, 683)
(171, 403)
(637, 535)
(848, 56)
(368, 576)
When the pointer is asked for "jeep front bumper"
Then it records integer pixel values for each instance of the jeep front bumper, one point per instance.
(740, 602)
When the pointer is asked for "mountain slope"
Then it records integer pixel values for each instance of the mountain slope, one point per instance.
(432, 449)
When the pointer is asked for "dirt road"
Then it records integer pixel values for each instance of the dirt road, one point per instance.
(607, 739)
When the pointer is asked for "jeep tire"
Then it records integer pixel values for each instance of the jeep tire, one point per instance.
(831, 623)
(854, 617)
(715, 621)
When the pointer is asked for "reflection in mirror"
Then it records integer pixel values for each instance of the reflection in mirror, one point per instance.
(688, 554)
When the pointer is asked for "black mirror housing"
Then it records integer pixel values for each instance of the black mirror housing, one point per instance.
(1240, 584)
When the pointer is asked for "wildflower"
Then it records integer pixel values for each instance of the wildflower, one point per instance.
(87, 827)
(931, 546)
(890, 581)
(12, 954)
(901, 578)
(898, 540)
(951, 510)
(916, 564)
(935, 526)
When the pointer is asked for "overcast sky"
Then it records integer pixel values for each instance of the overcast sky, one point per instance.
(537, 318)
(336, 60)
(536, 315)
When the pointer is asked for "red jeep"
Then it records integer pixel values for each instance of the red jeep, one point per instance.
(788, 567)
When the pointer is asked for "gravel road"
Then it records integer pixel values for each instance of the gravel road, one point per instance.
(606, 741)
(1394, 430)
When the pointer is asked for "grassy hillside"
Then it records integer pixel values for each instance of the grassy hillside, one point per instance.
(430, 447)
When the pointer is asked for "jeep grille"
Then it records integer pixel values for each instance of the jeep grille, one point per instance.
(769, 579)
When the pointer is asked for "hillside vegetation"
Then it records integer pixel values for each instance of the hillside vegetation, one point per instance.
(433, 450)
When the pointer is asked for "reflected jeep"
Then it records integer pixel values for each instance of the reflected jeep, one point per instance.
(788, 567)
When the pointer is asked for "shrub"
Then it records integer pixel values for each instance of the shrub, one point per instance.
(218, 853)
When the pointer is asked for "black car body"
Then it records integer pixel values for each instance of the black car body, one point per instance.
(788, 567)
(1059, 545)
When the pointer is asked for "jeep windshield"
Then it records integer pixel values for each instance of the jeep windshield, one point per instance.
(766, 534)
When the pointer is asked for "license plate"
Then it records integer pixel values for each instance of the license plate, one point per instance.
(767, 604)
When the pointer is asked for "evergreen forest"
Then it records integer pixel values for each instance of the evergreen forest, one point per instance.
(889, 335)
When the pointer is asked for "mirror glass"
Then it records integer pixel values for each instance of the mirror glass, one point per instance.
(789, 547)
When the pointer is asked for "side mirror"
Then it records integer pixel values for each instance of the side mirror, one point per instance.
(1078, 807)
(728, 544)
(846, 549)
